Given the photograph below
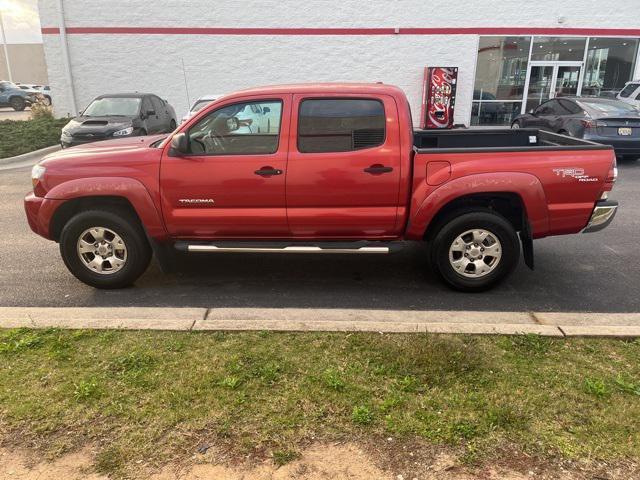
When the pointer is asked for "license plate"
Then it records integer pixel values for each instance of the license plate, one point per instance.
(624, 131)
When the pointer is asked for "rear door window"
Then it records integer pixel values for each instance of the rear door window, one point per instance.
(340, 125)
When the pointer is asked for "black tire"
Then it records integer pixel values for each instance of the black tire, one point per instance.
(516, 124)
(123, 224)
(142, 132)
(172, 125)
(17, 103)
(47, 100)
(481, 219)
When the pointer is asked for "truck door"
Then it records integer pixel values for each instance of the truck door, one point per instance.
(232, 183)
(343, 174)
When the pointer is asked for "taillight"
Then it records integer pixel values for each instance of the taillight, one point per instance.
(588, 123)
(612, 176)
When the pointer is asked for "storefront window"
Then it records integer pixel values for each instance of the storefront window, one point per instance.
(609, 65)
(500, 77)
(558, 49)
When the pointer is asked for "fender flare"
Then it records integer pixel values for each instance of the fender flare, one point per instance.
(130, 189)
(528, 187)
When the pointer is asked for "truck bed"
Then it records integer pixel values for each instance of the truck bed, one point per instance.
(522, 139)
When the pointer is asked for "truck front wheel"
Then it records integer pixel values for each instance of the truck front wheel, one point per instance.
(475, 250)
(105, 249)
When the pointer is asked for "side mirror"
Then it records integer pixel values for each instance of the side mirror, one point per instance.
(266, 110)
(180, 143)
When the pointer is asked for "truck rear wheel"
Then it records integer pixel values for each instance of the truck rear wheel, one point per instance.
(105, 249)
(475, 250)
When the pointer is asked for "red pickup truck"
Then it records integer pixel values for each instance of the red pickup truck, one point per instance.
(318, 168)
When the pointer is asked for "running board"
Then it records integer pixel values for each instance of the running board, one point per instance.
(277, 247)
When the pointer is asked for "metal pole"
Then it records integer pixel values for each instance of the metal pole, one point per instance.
(65, 58)
(4, 45)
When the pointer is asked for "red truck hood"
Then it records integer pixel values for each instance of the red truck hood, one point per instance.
(106, 147)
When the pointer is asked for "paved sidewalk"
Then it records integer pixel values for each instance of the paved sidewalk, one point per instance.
(343, 320)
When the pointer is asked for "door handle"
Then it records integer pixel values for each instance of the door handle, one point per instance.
(378, 169)
(268, 171)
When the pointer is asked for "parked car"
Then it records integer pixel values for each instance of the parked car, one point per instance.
(43, 89)
(340, 171)
(602, 120)
(119, 115)
(630, 93)
(15, 97)
(199, 104)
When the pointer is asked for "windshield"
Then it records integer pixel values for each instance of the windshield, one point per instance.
(8, 85)
(200, 104)
(116, 106)
(629, 89)
(608, 107)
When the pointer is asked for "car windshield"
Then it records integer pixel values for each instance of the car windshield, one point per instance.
(113, 106)
(200, 104)
(608, 106)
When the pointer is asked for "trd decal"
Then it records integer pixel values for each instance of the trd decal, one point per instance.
(577, 173)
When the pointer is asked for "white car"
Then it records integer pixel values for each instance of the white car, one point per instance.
(630, 93)
(43, 89)
(199, 104)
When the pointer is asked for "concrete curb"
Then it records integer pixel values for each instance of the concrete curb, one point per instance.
(325, 320)
(35, 155)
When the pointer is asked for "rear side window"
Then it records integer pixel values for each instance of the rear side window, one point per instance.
(629, 89)
(340, 125)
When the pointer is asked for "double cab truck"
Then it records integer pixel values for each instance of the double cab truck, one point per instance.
(318, 169)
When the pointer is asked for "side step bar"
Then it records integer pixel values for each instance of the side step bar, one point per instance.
(286, 247)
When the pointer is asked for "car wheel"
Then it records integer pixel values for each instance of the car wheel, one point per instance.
(17, 103)
(142, 132)
(47, 101)
(475, 250)
(105, 249)
(516, 124)
(172, 125)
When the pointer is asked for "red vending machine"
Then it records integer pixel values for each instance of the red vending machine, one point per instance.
(438, 97)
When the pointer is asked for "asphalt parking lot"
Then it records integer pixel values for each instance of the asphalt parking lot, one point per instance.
(596, 272)
(11, 114)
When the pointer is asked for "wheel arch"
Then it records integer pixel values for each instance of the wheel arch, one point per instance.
(507, 192)
(123, 194)
(507, 204)
(76, 205)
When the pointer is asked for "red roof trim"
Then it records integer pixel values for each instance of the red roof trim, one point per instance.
(346, 31)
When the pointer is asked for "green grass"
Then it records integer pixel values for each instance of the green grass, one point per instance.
(152, 396)
(18, 137)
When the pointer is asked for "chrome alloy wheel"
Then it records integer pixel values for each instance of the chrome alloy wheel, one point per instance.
(475, 253)
(102, 250)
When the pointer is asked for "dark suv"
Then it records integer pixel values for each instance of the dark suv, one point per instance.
(117, 116)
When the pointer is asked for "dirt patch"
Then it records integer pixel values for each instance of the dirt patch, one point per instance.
(318, 462)
(19, 465)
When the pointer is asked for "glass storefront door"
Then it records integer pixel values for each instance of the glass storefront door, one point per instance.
(550, 80)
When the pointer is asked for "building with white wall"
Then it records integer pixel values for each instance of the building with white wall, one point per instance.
(511, 54)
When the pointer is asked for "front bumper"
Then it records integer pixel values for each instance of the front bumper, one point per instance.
(601, 216)
(39, 213)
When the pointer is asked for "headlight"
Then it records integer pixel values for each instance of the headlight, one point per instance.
(124, 131)
(65, 133)
(37, 171)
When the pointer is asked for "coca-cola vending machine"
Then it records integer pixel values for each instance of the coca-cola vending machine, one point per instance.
(438, 97)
